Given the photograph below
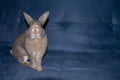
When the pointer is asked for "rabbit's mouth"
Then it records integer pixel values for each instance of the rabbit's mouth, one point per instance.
(36, 36)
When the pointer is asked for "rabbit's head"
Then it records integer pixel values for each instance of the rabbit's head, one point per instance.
(36, 30)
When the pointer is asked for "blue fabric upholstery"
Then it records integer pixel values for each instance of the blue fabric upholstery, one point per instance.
(83, 39)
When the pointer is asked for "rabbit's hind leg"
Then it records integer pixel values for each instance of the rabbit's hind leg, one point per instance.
(20, 55)
(24, 60)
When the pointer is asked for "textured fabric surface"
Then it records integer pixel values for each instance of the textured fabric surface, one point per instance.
(83, 39)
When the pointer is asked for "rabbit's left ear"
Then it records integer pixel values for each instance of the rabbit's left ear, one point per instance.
(44, 17)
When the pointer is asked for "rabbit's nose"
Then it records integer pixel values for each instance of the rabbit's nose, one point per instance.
(35, 30)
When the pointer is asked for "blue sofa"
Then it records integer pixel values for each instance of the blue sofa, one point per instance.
(83, 39)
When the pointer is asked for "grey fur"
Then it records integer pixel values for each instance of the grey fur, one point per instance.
(32, 43)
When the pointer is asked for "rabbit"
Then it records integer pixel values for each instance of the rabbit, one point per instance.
(30, 47)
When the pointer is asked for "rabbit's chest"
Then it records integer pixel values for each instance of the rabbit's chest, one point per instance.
(34, 45)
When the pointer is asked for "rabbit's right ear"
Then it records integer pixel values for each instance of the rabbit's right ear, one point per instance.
(28, 18)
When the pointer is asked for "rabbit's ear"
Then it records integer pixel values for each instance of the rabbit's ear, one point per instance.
(44, 17)
(28, 18)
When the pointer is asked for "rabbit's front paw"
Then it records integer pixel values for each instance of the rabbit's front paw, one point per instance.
(38, 68)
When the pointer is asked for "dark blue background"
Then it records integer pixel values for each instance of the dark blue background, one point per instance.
(83, 37)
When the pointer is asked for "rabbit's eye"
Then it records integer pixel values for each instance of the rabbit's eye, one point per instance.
(35, 30)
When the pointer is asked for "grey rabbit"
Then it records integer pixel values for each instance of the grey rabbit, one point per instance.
(30, 47)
